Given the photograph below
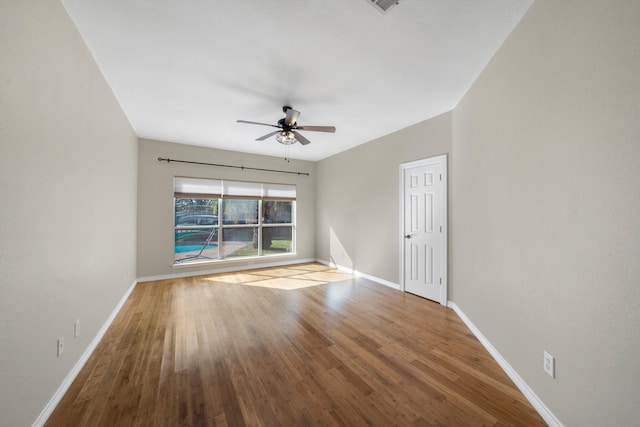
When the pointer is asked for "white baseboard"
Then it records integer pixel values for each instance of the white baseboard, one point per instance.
(229, 268)
(360, 274)
(66, 383)
(535, 401)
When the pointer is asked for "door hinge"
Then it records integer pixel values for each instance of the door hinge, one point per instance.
(441, 229)
(440, 177)
(441, 280)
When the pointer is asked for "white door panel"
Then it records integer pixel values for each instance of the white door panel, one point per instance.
(424, 199)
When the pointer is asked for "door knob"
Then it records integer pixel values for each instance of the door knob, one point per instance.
(408, 236)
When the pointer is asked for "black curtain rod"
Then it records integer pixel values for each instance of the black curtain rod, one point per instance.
(160, 159)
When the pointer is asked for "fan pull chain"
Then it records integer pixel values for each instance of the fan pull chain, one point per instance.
(286, 153)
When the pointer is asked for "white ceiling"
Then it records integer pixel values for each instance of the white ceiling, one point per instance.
(185, 70)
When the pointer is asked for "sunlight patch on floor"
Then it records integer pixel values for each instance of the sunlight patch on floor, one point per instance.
(285, 283)
(311, 267)
(328, 276)
(276, 272)
(287, 278)
(235, 278)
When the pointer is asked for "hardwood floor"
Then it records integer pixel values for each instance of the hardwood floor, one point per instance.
(303, 345)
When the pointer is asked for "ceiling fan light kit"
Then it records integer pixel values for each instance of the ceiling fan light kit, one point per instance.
(286, 138)
(288, 133)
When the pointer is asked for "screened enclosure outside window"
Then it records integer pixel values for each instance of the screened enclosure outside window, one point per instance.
(196, 229)
(240, 212)
(220, 219)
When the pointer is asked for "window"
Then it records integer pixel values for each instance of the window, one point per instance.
(220, 219)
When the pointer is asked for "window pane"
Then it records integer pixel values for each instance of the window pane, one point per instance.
(276, 211)
(276, 240)
(196, 244)
(238, 242)
(239, 212)
(191, 212)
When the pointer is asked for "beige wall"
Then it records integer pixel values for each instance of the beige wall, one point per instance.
(68, 191)
(358, 198)
(155, 201)
(547, 206)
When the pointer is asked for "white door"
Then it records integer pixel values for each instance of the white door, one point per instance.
(424, 228)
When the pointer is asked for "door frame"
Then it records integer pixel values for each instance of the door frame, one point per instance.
(445, 263)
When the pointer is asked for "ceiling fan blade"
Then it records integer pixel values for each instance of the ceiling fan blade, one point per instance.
(331, 129)
(270, 134)
(257, 123)
(292, 116)
(301, 139)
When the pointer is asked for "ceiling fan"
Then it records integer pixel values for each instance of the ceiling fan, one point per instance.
(287, 132)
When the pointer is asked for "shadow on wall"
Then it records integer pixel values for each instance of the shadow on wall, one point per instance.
(337, 253)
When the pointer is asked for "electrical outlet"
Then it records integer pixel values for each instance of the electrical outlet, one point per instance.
(76, 328)
(60, 346)
(549, 365)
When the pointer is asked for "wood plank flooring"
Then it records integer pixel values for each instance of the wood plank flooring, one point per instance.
(303, 345)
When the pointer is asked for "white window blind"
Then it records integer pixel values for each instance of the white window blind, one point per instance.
(214, 188)
(193, 187)
(279, 191)
(252, 190)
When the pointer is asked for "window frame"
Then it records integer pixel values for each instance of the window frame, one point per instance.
(220, 226)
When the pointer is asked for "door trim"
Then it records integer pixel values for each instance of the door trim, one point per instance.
(445, 263)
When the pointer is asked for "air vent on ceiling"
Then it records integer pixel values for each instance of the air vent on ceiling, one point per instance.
(383, 6)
